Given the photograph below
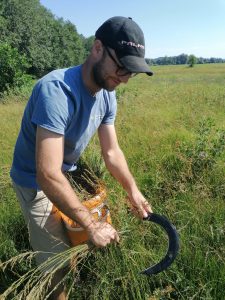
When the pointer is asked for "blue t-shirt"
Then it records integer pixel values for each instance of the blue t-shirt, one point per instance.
(60, 103)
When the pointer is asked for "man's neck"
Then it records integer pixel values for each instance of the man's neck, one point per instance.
(88, 80)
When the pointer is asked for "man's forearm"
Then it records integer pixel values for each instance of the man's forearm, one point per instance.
(117, 166)
(60, 192)
(58, 189)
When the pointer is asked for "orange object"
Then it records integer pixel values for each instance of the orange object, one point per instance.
(100, 211)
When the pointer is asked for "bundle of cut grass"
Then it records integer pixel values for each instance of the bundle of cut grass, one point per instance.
(34, 284)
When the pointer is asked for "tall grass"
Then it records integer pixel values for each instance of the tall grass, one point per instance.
(171, 129)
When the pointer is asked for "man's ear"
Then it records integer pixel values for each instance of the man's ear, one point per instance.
(97, 48)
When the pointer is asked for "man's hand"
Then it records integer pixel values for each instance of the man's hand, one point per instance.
(101, 234)
(139, 205)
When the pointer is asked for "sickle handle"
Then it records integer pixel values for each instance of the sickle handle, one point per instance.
(173, 247)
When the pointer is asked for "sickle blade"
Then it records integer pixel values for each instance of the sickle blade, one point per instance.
(173, 247)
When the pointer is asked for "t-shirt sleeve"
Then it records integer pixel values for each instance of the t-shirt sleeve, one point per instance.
(53, 107)
(111, 110)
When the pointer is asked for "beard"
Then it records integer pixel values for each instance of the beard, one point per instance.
(99, 76)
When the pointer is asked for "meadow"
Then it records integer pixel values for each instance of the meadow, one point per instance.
(171, 128)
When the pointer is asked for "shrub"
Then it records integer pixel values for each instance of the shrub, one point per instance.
(12, 68)
(196, 162)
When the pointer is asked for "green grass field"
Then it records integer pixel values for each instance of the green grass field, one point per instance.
(171, 128)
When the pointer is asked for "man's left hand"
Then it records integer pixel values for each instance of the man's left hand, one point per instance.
(139, 205)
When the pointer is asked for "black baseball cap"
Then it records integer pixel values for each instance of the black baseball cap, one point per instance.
(127, 39)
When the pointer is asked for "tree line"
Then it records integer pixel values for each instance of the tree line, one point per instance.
(183, 59)
(33, 42)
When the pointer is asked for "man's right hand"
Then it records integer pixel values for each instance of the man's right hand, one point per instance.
(101, 234)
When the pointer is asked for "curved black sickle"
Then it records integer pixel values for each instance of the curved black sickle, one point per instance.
(172, 248)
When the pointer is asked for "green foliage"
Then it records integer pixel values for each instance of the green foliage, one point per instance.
(209, 145)
(13, 233)
(47, 42)
(182, 59)
(120, 93)
(12, 68)
(193, 162)
(87, 42)
(192, 60)
(68, 47)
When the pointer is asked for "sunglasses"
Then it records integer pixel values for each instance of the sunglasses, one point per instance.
(121, 70)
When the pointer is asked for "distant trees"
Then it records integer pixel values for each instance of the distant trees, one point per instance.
(191, 60)
(47, 42)
(33, 34)
(34, 41)
(13, 67)
(170, 60)
(87, 42)
(182, 59)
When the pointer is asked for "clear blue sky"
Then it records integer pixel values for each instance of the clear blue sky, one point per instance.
(171, 27)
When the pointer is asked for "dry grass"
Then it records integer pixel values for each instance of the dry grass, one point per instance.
(34, 284)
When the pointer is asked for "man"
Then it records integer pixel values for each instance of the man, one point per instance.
(64, 111)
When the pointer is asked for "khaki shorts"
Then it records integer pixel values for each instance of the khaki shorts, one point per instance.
(46, 230)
